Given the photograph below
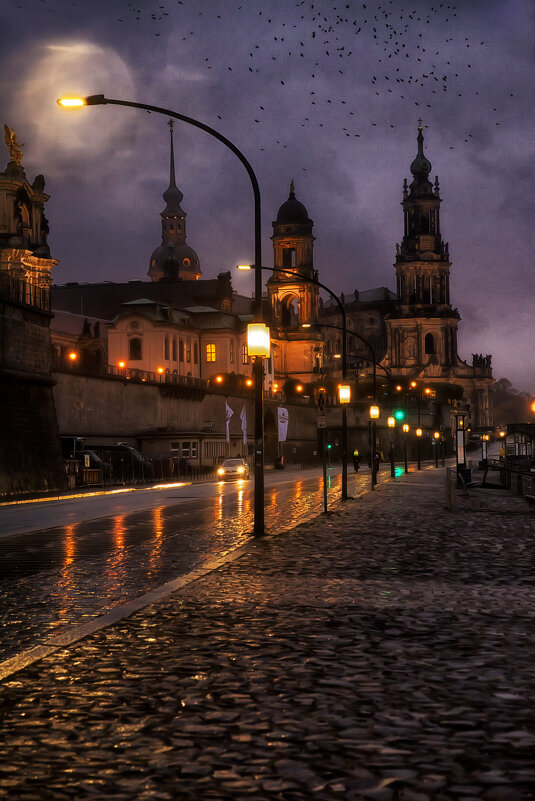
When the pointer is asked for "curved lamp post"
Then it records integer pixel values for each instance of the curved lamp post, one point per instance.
(344, 355)
(100, 100)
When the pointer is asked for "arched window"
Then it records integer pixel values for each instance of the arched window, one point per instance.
(166, 347)
(429, 343)
(134, 349)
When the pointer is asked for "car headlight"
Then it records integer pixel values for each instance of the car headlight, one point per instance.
(241, 469)
(220, 471)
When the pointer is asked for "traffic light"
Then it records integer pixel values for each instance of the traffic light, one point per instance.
(399, 414)
(329, 446)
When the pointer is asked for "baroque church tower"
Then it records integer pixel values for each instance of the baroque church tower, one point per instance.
(173, 259)
(294, 301)
(423, 331)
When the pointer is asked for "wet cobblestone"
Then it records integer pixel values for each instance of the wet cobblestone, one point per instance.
(382, 651)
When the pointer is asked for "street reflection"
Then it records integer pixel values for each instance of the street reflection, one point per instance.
(156, 543)
(118, 553)
(66, 583)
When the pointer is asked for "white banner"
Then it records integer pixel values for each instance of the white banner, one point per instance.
(283, 423)
(243, 418)
(228, 415)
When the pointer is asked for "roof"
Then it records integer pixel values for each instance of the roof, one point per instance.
(70, 323)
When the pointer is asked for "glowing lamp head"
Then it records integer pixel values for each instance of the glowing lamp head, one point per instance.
(121, 364)
(399, 414)
(374, 412)
(244, 267)
(344, 393)
(399, 388)
(436, 434)
(299, 388)
(419, 432)
(219, 379)
(306, 325)
(391, 422)
(249, 382)
(258, 340)
(73, 356)
(337, 355)
(485, 437)
(414, 384)
(405, 428)
(502, 433)
(160, 370)
(427, 391)
(275, 387)
(532, 406)
(70, 102)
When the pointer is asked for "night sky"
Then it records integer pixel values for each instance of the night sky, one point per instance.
(325, 93)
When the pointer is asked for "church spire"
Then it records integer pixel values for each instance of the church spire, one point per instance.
(420, 167)
(172, 195)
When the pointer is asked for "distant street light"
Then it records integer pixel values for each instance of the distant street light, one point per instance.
(258, 368)
(391, 422)
(405, 432)
(418, 435)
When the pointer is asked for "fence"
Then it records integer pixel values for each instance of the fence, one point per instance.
(14, 290)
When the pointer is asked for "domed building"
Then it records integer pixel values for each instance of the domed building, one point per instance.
(294, 301)
(174, 259)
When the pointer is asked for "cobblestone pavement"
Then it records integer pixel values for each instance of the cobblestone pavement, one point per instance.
(382, 651)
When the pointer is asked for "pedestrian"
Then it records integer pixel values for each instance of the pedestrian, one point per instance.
(376, 461)
(356, 460)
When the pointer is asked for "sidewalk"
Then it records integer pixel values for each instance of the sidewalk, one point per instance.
(384, 648)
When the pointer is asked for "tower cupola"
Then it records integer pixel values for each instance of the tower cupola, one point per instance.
(173, 259)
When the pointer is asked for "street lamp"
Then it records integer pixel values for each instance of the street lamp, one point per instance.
(418, 435)
(391, 422)
(405, 432)
(258, 367)
(436, 437)
(337, 300)
(374, 416)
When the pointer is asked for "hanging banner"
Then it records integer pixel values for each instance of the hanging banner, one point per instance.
(283, 423)
(243, 418)
(228, 415)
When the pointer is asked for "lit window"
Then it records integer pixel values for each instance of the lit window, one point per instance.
(244, 355)
(210, 353)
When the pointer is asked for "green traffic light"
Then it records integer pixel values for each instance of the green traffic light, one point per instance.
(399, 414)
(329, 446)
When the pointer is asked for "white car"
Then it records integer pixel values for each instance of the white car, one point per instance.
(233, 468)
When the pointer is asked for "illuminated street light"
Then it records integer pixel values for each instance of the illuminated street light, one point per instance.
(344, 393)
(418, 435)
(374, 412)
(73, 356)
(405, 428)
(258, 340)
(258, 366)
(391, 422)
(121, 365)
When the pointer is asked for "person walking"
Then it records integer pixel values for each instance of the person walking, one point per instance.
(356, 460)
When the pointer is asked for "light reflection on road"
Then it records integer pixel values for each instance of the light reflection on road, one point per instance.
(59, 577)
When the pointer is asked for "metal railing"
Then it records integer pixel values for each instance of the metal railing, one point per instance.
(13, 290)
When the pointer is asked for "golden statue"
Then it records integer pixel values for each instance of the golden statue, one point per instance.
(13, 145)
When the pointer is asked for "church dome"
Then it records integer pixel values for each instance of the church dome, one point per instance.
(421, 165)
(174, 261)
(292, 211)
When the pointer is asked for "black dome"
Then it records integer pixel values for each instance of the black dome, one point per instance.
(292, 212)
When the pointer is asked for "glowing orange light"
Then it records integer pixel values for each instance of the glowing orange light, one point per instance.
(160, 370)
(413, 384)
(399, 388)
(419, 432)
(73, 356)
(275, 387)
(249, 382)
(299, 388)
(219, 379)
(121, 365)
(70, 102)
(427, 391)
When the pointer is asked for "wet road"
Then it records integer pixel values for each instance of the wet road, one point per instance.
(110, 549)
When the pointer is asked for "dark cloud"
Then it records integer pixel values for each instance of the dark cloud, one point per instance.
(318, 92)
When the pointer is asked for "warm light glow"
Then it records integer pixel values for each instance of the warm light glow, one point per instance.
(391, 422)
(305, 325)
(427, 391)
(413, 384)
(436, 434)
(160, 370)
(299, 388)
(533, 406)
(485, 437)
(502, 433)
(219, 379)
(337, 355)
(249, 382)
(344, 393)
(244, 267)
(405, 428)
(220, 471)
(73, 356)
(121, 365)
(419, 432)
(71, 102)
(258, 340)
(275, 387)
(399, 388)
(241, 469)
(374, 412)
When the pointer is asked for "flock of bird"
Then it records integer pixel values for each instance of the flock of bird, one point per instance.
(326, 58)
